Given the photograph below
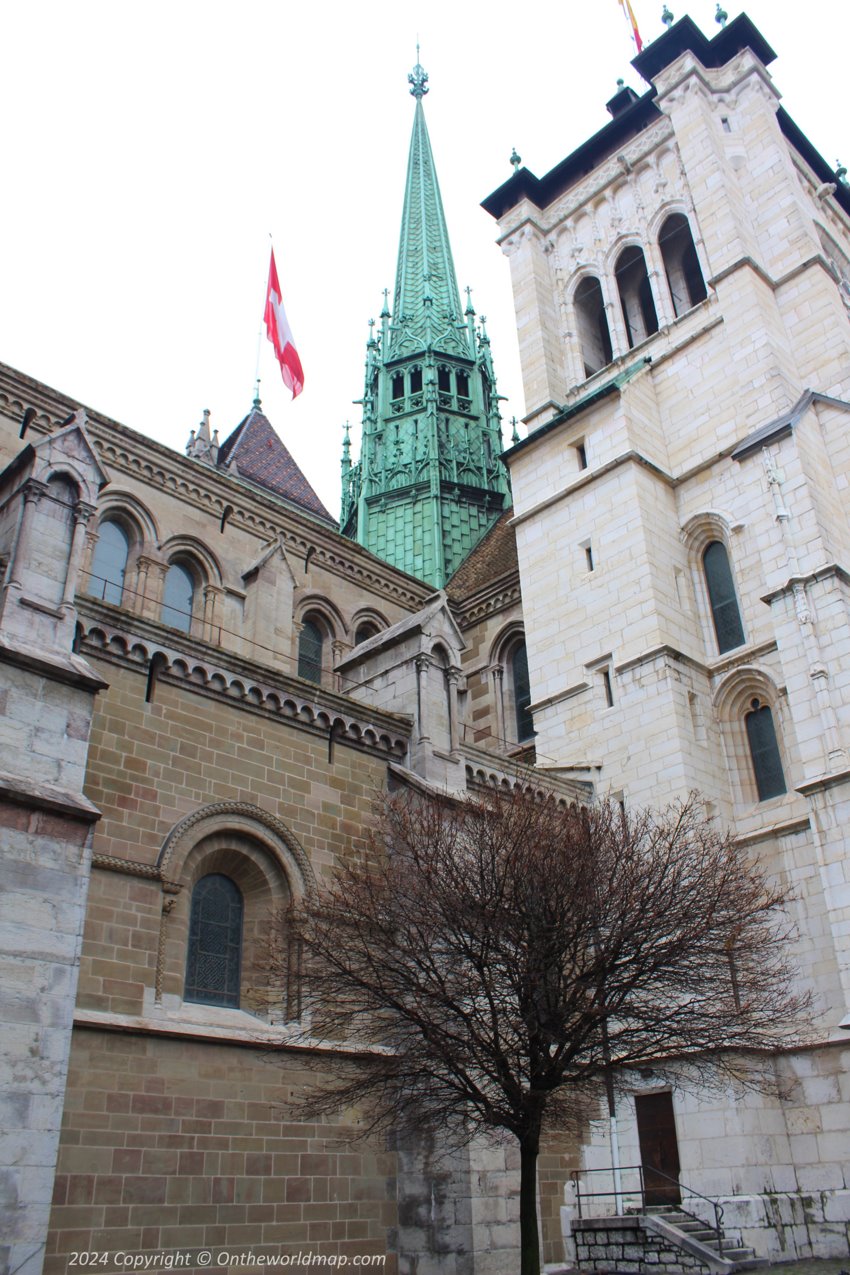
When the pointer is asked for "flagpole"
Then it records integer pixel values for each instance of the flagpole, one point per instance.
(259, 344)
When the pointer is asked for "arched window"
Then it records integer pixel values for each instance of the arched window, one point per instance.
(684, 276)
(215, 942)
(635, 295)
(109, 563)
(310, 646)
(365, 631)
(522, 693)
(178, 597)
(764, 751)
(593, 334)
(722, 598)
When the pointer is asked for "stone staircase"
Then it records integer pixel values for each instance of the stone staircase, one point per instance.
(701, 1240)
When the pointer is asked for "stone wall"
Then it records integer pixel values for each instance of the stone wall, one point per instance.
(624, 1244)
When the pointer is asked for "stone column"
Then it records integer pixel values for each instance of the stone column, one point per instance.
(82, 515)
(212, 618)
(423, 664)
(32, 493)
(338, 649)
(497, 675)
(452, 675)
(658, 282)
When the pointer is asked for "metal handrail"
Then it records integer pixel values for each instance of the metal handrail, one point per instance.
(681, 1186)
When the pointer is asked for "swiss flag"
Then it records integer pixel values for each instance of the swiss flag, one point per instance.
(280, 334)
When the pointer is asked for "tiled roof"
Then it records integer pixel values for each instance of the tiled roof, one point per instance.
(255, 452)
(492, 558)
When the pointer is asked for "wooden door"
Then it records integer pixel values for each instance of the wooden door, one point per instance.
(659, 1149)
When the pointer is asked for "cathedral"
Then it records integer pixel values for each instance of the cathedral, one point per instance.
(206, 678)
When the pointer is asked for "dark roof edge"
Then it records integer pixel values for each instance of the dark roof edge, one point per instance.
(819, 166)
(542, 190)
(684, 35)
(615, 385)
(783, 424)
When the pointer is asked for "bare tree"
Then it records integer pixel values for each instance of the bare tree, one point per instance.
(509, 955)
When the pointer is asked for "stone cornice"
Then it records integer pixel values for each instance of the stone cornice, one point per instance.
(829, 571)
(497, 596)
(206, 670)
(42, 796)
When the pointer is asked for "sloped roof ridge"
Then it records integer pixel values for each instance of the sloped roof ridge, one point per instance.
(259, 455)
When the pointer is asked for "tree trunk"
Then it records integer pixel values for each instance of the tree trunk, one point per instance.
(529, 1237)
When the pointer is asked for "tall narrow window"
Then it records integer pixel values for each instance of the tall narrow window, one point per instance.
(522, 693)
(310, 644)
(593, 334)
(722, 599)
(215, 942)
(109, 563)
(764, 751)
(636, 295)
(178, 598)
(681, 263)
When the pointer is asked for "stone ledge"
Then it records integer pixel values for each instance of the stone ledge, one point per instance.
(29, 792)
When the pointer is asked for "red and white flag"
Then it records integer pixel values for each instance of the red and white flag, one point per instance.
(280, 334)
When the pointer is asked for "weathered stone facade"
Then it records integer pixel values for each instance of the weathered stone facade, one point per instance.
(210, 749)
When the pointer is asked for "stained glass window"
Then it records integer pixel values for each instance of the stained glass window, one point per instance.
(310, 643)
(109, 563)
(721, 597)
(178, 596)
(522, 693)
(215, 942)
(764, 751)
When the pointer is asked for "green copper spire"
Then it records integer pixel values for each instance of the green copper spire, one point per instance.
(426, 302)
(429, 482)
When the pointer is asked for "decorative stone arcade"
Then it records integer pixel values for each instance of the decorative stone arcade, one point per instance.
(429, 482)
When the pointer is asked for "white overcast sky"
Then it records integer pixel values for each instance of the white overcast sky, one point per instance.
(149, 150)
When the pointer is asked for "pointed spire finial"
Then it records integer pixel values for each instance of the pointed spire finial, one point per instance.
(666, 17)
(470, 308)
(516, 160)
(418, 78)
(385, 312)
(721, 17)
(257, 404)
(515, 433)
